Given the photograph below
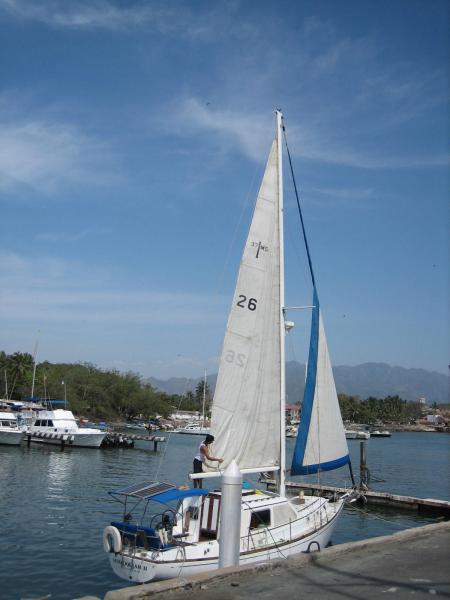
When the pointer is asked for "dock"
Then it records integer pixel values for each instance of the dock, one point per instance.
(423, 506)
(116, 439)
(408, 563)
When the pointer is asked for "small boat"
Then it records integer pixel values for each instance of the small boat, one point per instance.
(10, 432)
(196, 428)
(356, 434)
(380, 433)
(248, 423)
(50, 425)
(193, 429)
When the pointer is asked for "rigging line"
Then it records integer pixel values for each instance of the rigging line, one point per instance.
(298, 204)
(236, 229)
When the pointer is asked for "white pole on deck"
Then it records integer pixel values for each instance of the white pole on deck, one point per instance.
(230, 517)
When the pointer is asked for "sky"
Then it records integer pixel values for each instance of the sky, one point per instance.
(133, 137)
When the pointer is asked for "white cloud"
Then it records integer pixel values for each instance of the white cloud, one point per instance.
(46, 156)
(251, 133)
(94, 14)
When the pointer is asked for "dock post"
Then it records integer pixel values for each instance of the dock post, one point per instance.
(363, 463)
(230, 517)
(28, 439)
(155, 446)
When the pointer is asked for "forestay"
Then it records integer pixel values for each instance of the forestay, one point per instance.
(321, 443)
(246, 405)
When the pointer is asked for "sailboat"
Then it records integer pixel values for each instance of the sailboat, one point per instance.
(248, 422)
(197, 428)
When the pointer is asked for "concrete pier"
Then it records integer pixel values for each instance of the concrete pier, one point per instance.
(409, 563)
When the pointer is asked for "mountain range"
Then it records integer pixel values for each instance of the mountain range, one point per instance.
(369, 379)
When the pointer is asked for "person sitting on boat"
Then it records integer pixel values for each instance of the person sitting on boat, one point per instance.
(202, 454)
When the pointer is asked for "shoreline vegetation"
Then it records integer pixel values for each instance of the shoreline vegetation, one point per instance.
(121, 397)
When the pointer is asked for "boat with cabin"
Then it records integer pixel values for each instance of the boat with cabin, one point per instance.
(10, 432)
(53, 423)
(248, 423)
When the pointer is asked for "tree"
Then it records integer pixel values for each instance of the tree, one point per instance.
(202, 394)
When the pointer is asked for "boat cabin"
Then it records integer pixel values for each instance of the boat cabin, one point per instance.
(9, 420)
(199, 517)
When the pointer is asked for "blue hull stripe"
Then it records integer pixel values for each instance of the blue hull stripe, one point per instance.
(310, 389)
(328, 466)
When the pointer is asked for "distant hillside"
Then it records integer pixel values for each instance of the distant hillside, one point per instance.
(369, 379)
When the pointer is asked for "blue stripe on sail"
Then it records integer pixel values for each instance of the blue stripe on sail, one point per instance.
(328, 466)
(310, 389)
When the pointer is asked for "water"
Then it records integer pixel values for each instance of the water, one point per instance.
(54, 505)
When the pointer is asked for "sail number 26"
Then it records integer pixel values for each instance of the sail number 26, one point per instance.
(243, 303)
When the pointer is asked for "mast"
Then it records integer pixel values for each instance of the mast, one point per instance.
(281, 490)
(34, 365)
(204, 400)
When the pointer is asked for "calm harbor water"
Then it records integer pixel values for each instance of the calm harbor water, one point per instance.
(54, 505)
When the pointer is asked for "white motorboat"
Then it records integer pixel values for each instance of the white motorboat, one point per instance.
(10, 433)
(380, 433)
(356, 434)
(50, 425)
(248, 422)
(193, 429)
(351, 434)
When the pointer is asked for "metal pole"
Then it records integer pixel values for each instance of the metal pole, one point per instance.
(281, 487)
(363, 463)
(230, 517)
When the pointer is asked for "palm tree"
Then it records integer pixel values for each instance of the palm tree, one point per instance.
(20, 365)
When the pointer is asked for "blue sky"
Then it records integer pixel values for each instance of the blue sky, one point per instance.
(132, 139)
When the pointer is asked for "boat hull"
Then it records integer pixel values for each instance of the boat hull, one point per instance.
(143, 568)
(80, 440)
(11, 438)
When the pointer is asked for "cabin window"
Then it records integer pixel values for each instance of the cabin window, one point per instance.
(38, 423)
(260, 517)
(50, 423)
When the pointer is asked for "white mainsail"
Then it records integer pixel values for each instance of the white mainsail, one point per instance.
(246, 406)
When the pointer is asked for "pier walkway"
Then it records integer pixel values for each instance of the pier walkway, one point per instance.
(411, 563)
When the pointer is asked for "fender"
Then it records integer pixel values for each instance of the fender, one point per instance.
(112, 542)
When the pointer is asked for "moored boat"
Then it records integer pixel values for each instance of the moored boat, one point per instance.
(193, 429)
(50, 425)
(10, 432)
(248, 423)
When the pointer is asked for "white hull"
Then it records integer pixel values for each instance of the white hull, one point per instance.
(80, 440)
(11, 438)
(199, 431)
(10, 433)
(143, 566)
(56, 426)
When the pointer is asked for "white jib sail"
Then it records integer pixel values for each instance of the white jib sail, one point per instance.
(246, 405)
(326, 443)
